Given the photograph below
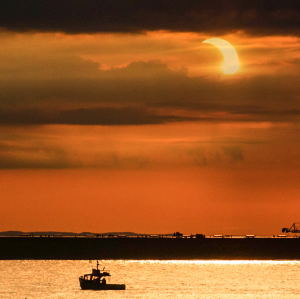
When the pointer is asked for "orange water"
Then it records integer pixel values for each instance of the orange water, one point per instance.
(153, 279)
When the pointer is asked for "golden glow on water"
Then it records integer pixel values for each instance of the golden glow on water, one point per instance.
(154, 279)
(216, 262)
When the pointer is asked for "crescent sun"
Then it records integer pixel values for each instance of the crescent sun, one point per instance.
(231, 60)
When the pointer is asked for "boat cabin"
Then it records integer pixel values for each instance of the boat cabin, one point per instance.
(96, 281)
(96, 275)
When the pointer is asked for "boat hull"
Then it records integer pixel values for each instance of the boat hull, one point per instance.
(96, 285)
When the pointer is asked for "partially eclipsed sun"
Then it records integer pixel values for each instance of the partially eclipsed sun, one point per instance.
(231, 61)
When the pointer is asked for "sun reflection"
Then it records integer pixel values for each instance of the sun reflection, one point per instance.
(216, 262)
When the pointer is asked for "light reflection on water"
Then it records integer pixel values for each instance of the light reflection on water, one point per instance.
(152, 279)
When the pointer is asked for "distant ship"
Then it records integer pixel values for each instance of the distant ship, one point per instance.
(96, 281)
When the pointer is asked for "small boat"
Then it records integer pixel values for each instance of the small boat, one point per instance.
(96, 281)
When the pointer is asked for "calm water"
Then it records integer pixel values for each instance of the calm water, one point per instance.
(152, 279)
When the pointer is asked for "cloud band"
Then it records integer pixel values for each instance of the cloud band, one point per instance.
(258, 17)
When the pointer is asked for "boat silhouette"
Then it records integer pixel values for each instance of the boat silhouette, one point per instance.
(96, 281)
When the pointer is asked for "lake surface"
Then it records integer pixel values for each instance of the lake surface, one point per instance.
(153, 279)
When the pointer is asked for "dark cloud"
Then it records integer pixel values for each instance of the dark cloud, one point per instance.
(214, 16)
(84, 116)
(234, 153)
(226, 154)
(32, 153)
(47, 156)
(142, 93)
(48, 147)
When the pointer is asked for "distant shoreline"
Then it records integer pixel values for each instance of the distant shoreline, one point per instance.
(164, 248)
(57, 234)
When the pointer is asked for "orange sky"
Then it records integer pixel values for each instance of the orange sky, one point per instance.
(142, 132)
(210, 178)
(193, 200)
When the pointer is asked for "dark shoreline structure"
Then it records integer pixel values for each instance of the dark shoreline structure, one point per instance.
(149, 247)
